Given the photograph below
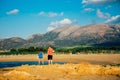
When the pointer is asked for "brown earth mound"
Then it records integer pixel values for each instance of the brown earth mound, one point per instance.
(81, 71)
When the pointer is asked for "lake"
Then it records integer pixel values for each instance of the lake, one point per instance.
(14, 64)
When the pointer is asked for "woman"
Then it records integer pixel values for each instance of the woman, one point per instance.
(50, 55)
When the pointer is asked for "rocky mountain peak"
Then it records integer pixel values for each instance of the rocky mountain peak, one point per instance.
(94, 34)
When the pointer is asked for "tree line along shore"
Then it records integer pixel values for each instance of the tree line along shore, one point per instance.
(65, 50)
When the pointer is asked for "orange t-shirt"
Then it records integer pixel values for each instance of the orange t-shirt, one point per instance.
(50, 51)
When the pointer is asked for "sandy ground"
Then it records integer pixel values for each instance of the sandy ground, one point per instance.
(91, 58)
(78, 67)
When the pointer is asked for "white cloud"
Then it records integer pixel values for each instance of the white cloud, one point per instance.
(84, 1)
(101, 14)
(60, 23)
(108, 7)
(55, 24)
(50, 28)
(114, 20)
(97, 1)
(62, 13)
(65, 21)
(14, 11)
(50, 14)
(41, 13)
(88, 10)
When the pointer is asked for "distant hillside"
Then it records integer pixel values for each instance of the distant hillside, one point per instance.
(13, 42)
(97, 34)
(90, 35)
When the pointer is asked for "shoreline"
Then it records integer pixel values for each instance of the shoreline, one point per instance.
(69, 58)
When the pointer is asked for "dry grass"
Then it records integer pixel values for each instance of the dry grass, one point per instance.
(81, 71)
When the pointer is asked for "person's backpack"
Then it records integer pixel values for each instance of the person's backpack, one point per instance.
(40, 55)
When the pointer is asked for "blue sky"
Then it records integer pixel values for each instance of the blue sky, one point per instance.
(22, 18)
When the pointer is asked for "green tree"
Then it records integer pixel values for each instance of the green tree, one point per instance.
(31, 49)
(13, 50)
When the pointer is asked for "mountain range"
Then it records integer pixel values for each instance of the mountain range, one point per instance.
(66, 36)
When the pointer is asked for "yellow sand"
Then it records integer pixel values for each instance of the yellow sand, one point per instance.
(91, 58)
(82, 70)
(62, 72)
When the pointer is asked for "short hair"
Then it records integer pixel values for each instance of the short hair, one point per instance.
(41, 49)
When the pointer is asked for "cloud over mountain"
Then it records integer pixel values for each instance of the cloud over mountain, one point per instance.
(57, 24)
(114, 20)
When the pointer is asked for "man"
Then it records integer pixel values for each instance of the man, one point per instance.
(50, 55)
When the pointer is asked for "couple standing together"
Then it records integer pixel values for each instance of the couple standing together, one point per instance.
(50, 56)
